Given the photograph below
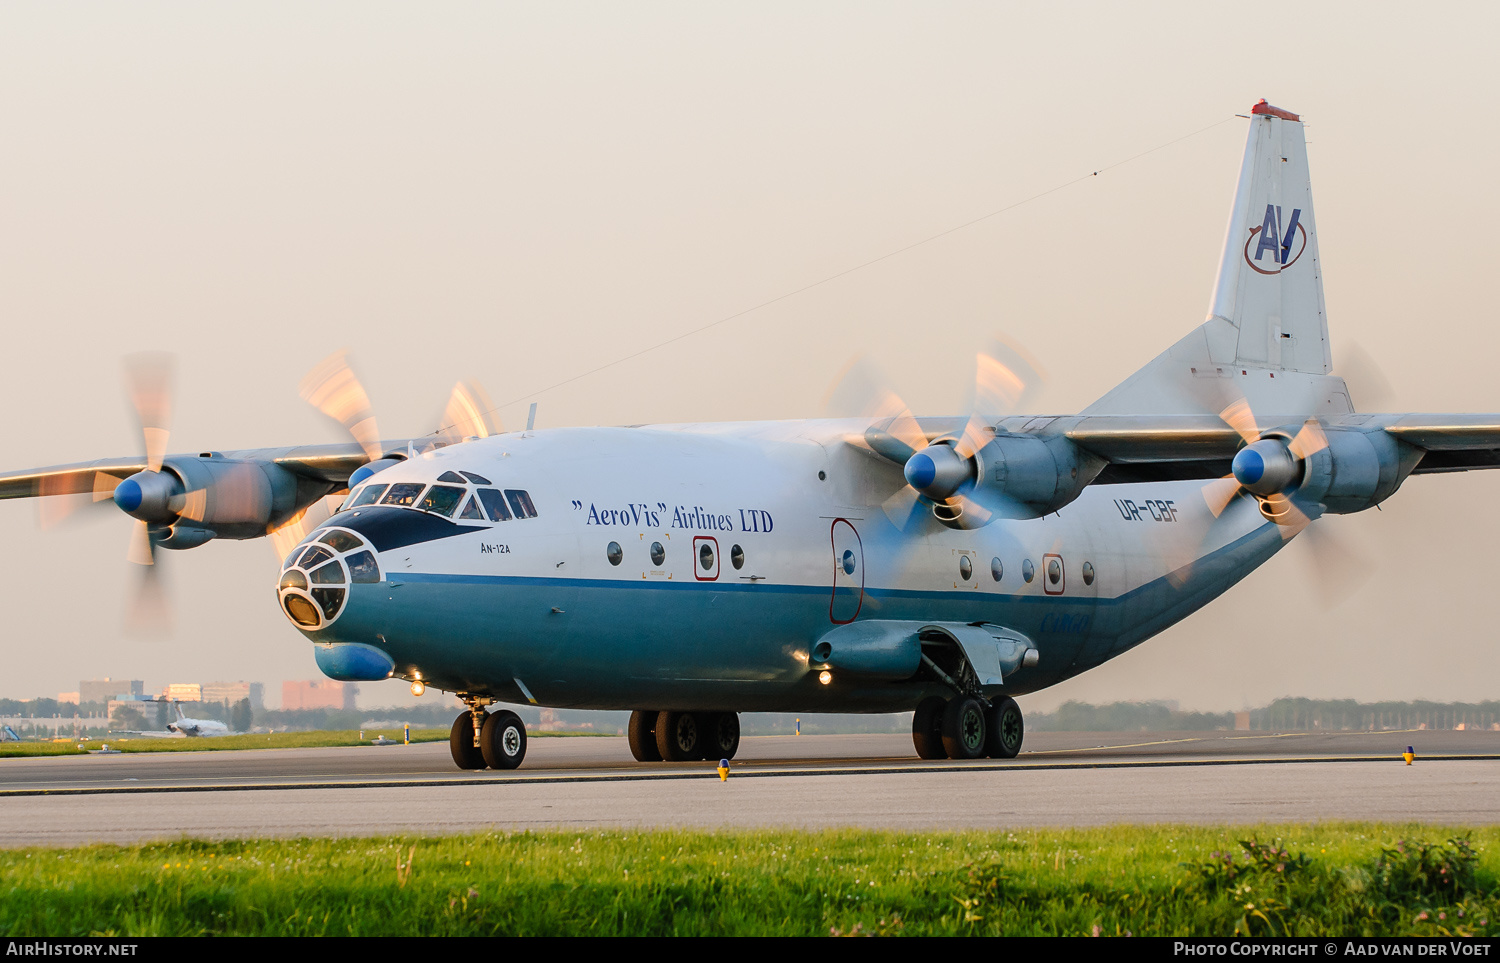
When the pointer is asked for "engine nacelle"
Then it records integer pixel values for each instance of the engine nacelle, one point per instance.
(1358, 469)
(210, 497)
(1035, 474)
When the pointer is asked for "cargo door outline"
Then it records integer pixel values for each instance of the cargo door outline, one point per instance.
(848, 572)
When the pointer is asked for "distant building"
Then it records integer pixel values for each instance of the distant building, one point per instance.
(317, 694)
(69, 697)
(233, 692)
(105, 689)
(183, 692)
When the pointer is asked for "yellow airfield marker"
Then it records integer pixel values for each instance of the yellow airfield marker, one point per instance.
(723, 769)
(1408, 755)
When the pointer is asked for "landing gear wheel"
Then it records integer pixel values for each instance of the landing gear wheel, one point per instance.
(927, 729)
(466, 755)
(1005, 729)
(720, 734)
(642, 734)
(503, 740)
(677, 736)
(964, 728)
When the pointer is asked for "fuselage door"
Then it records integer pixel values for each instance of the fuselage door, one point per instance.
(848, 573)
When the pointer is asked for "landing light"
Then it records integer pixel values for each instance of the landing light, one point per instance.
(825, 677)
(417, 688)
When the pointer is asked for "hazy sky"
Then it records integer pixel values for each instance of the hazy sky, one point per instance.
(521, 193)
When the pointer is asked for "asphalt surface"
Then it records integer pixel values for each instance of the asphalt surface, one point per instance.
(1061, 779)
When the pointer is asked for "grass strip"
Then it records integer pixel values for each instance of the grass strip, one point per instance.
(1320, 879)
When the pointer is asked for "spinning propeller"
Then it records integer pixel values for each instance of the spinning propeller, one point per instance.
(941, 467)
(1270, 468)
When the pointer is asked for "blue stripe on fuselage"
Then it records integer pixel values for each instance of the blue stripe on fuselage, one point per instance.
(616, 643)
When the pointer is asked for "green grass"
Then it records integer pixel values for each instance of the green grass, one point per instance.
(1344, 879)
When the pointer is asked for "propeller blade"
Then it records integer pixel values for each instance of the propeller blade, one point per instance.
(905, 508)
(469, 414)
(1006, 379)
(333, 389)
(62, 501)
(148, 615)
(148, 380)
(286, 536)
(1219, 493)
(1360, 371)
(1237, 415)
(1309, 440)
(1338, 569)
(141, 551)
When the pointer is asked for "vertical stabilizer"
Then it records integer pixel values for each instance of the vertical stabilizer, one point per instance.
(1268, 297)
(1267, 328)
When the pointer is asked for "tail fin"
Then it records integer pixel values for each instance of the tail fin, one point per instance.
(1267, 327)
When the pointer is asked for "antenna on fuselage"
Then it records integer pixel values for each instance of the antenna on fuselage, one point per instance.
(531, 417)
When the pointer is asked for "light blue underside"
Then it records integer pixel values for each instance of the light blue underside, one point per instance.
(729, 645)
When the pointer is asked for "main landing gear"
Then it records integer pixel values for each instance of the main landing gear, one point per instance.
(965, 728)
(683, 736)
(494, 739)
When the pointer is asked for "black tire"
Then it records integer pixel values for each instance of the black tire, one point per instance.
(503, 740)
(678, 738)
(466, 755)
(1006, 729)
(964, 728)
(927, 729)
(642, 733)
(720, 734)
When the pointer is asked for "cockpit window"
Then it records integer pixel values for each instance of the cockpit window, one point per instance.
(451, 476)
(441, 499)
(520, 503)
(341, 541)
(477, 479)
(315, 555)
(471, 510)
(405, 495)
(362, 567)
(494, 503)
(367, 496)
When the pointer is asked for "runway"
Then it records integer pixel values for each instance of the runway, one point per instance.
(872, 781)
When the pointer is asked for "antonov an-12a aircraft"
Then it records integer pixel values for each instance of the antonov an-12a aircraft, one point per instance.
(890, 563)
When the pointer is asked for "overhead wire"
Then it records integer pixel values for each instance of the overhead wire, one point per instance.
(851, 270)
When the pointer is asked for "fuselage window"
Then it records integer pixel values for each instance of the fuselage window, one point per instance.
(614, 553)
(1088, 573)
(520, 503)
(405, 494)
(494, 503)
(477, 479)
(471, 510)
(965, 568)
(658, 554)
(1028, 571)
(451, 476)
(441, 500)
(1054, 571)
(737, 557)
(996, 569)
(706, 557)
(367, 496)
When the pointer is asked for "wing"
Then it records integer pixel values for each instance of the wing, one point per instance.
(235, 494)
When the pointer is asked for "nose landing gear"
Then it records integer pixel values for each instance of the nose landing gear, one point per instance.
(480, 738)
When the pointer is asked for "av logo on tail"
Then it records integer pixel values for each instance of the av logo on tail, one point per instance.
(1276, 243)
